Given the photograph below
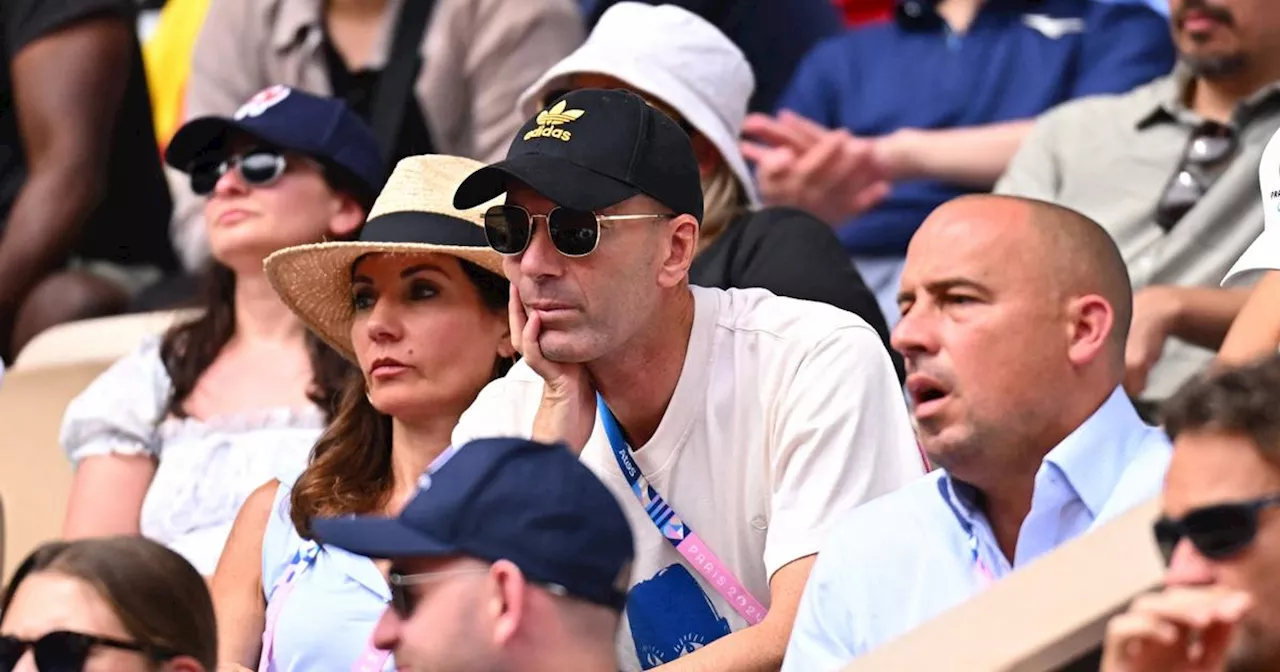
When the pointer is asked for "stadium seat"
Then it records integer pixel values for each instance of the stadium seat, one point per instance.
(35, 477)
(104, 339)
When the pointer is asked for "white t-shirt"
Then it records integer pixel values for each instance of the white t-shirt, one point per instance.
(787, 414)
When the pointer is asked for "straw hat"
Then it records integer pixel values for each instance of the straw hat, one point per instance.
(413, 215)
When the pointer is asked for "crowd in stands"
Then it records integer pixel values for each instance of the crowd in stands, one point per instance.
(620, 335)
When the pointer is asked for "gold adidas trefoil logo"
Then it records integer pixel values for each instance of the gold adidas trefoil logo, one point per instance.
(548, 120)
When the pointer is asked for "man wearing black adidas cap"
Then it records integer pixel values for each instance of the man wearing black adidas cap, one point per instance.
(733, 426)
(512, 556)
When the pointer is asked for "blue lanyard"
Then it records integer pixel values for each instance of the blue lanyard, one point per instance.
(661, 513)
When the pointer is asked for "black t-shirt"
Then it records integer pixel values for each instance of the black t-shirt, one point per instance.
(790, 253)
(131, 224)
(357, 89)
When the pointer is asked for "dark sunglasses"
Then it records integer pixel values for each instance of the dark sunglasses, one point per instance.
(1218, 532)
(404, 601)
(66, 651)
(1202, 163)
(258, 168)
(574, 233)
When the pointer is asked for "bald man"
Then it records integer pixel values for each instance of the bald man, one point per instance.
(1014, 315)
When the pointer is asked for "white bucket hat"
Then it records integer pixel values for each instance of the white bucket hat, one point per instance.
(675, 56)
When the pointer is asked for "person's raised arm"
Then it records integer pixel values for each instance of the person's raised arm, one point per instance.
(238, 594)
(1256, 329)
(67, 90)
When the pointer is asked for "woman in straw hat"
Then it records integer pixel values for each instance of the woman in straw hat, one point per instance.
(418, 303)
(686, 67)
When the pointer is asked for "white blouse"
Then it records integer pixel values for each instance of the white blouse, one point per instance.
(206, 468)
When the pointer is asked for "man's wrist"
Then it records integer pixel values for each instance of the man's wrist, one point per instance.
(896, 153)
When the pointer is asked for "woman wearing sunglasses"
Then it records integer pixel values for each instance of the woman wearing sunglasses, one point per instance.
(118, 604)
(417, 302)
(171, 439)
(687, 68)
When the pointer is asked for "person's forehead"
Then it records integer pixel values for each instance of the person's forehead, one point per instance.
(49, 601)
(1211, 467)
(987, 244)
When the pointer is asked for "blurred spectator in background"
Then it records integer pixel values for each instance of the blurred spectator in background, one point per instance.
(884, 123)
(167, 55)
(122, 604)
(1256, 330)
(171, 439)
(83, 201)
(419, 304)
(773, 34)
(430, 76)
(682, 65)
(1171, 171)
(1014, 315)
(488, 573)
(858, 12)
(1220, 535)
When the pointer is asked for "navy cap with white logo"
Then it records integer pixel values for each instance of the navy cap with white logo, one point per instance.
(322, 128)
(533, 504)
(593, 148)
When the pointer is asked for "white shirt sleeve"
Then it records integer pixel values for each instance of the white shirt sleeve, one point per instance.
(119, 412)
(843, 438)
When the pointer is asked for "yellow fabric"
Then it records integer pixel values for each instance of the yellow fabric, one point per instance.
(167, 55)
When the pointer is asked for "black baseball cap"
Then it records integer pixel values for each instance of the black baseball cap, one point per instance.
(533, 504)
(322, 128)
(593, 148)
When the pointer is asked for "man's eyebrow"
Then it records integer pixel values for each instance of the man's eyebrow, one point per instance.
(944, 285)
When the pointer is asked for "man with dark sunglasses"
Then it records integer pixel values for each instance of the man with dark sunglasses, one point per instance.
(1170, 169)
(733, 426)
(1220, 535)
(512, 556)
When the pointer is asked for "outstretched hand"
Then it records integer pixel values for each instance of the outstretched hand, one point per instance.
(567, 412)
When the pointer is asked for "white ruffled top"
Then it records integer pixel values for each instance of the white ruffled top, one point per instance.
(205, 468)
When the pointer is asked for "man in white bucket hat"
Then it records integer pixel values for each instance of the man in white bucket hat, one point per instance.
(683, 65)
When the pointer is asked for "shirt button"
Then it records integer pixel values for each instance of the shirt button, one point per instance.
(913, 9)
(759, 523)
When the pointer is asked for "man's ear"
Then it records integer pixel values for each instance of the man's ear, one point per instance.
(506, 601)
(679, 248)
(1090, 323)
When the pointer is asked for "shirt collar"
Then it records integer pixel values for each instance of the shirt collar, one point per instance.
(1095, 455)
(1170, 94)
(1092, 459)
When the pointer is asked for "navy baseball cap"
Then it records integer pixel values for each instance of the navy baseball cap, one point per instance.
(530, 503)
(593, 148)
(322, 128)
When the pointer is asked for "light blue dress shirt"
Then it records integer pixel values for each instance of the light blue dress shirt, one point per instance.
(906, 557)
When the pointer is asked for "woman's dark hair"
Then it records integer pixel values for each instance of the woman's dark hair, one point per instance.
(160, 599)
(188, 349)
(350, 468)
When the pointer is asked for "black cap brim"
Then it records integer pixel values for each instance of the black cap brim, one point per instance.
(197, 136)
(378, 537)
(565, 183)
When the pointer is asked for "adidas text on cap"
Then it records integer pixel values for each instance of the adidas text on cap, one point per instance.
(594, 148)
